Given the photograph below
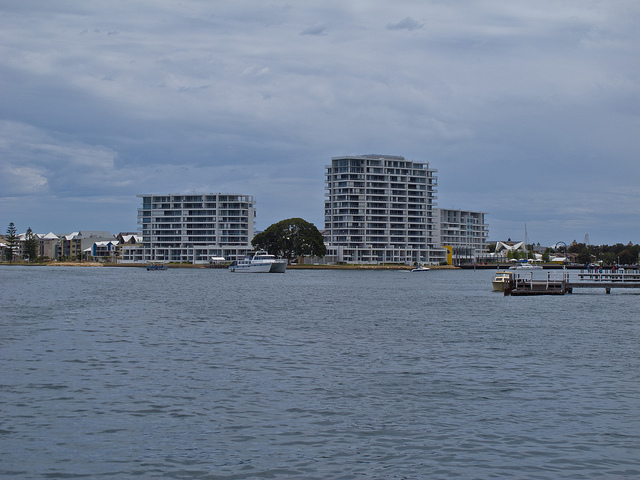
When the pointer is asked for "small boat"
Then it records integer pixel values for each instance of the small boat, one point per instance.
(524, 265)
(500, 279)
(260, 262)
(421, 268)
(157, 266)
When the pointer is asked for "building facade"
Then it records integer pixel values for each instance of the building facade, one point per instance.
(47, 245)
(379, 209)
(465, 231)
(192, 228)
(105, 250)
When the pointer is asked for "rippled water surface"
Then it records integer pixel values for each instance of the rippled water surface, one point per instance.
(120, 372)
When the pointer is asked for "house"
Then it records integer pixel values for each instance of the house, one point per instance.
(105, 250)
(47, 244)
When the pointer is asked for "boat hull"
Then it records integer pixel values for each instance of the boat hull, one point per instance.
(498, 286)
(278, 267)
(261, 262)
(500, 280)
(265, 268)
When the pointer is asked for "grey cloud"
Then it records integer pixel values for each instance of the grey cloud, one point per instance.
(317, 30)
(406, 23)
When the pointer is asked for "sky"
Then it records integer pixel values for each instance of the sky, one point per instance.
(530, 111)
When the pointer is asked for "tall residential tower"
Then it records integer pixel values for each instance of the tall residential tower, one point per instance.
(379, 208)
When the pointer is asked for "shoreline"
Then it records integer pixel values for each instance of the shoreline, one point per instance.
(293, 267)
(185, 265)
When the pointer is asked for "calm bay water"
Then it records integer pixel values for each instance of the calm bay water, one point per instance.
(120, 373)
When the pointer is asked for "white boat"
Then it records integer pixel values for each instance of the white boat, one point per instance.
(500, 279)
(525, 265)
(260, 262)
(421, 268)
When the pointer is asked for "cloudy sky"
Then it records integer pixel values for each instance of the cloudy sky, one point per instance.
(529, 110)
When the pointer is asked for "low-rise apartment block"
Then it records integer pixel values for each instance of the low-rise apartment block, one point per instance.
(193, 228)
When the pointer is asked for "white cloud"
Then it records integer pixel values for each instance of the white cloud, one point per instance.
(34, 161)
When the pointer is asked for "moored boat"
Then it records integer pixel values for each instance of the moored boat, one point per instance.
(501, 279)
(260, 262)
(157, 266)
(524, 265)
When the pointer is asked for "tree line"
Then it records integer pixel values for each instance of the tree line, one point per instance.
(608, 254)
(585, 254)
(288, 238)
(29, 248)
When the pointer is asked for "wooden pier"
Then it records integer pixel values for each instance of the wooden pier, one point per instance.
(525, 283)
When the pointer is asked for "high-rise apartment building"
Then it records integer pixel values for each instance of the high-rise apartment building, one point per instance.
(379, 208)
(465, 231)
(193, 228)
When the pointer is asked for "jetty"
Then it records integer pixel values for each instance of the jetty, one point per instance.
(553, 284)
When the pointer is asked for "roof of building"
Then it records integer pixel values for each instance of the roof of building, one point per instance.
(510, 246)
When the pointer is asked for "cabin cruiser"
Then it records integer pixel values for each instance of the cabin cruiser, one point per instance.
(501, 279)
(260, 262)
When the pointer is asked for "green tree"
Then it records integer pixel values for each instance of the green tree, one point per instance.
(30, 248)
(576, 248)
(546, 256)
(626, 257)
(12, 242)
(530, 252)
(584, 256)
(515, 254)
(609, 258)
(291, 238)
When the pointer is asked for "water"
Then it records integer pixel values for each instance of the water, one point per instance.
(122, 373)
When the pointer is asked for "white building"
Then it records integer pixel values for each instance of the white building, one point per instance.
(465, 231)
(379, 209)
(192, 228)
(105, 250)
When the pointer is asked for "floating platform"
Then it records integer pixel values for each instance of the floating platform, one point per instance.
(526, 284)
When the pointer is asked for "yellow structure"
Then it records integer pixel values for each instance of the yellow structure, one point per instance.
(449, 249)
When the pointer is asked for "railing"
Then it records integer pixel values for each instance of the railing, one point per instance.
(619, 275)
(536, 282)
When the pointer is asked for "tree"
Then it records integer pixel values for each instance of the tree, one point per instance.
(12, 241)
(291, 238)
(530, 252)
(546, 256)
(626, 257)
(609, 258)
(30, 248)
